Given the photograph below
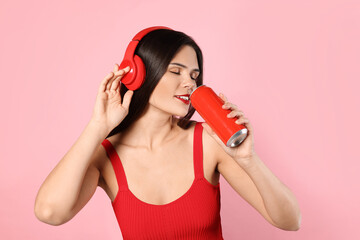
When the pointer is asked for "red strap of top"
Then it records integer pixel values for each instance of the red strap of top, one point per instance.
(116, 163)
(198, 151)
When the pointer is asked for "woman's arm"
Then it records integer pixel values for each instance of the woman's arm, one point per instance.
(73, 181)
(258, 186)
(251, 179)
(279, 201)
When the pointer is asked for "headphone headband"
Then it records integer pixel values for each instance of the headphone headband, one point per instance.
(145, 31)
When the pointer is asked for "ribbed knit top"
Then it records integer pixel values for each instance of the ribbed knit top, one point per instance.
(194, 215)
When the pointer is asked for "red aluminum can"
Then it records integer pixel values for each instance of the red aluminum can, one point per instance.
(209, 106)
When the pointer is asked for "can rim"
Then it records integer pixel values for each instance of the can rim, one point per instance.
(195, 89)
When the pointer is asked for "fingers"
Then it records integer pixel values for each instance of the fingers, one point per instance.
(111, 81)
(227, 104)
(222, 96)
(127, 98)
(235, 111)
(230, 105)
(105, 81)
(116, 68)
(239, 114)
(114, 82)
(242, 120)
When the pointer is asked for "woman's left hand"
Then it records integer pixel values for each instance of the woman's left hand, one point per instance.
(245, 151)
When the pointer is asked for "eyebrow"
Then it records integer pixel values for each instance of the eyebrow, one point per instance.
(181, 65)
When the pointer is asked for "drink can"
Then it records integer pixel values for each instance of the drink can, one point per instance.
(209, 106)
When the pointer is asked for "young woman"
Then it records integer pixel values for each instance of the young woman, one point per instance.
(160, 169)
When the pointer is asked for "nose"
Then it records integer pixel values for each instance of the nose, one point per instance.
(190, 84)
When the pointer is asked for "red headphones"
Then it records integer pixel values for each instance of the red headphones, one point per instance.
(136, 75)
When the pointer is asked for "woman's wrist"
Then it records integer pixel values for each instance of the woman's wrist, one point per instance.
(98, 127)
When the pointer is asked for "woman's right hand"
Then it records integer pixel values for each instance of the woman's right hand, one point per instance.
(108, 111)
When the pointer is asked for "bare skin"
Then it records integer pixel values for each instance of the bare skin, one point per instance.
(155, 178)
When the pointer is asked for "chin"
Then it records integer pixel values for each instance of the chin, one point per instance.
(183, 114)
(179, 115)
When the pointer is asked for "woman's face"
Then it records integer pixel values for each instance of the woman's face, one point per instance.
(179, 79)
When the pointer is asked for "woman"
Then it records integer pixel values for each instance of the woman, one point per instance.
(160, 169)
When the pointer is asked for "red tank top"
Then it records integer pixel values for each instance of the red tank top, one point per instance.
(194, 215)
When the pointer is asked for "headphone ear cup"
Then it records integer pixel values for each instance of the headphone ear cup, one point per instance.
(136, 76)
(140, 73)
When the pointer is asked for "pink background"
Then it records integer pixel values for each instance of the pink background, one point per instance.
(291, 66)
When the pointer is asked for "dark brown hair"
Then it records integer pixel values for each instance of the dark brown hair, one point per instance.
(157, 49)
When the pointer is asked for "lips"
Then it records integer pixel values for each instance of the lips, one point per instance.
(183, 100)
(184, 95)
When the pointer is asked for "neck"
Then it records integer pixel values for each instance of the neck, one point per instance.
(151, 132)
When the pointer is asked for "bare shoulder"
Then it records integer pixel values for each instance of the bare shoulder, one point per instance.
(100, 157)
(208, 142)
(210, 148)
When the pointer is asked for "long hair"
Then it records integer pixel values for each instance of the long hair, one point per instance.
(157, 49)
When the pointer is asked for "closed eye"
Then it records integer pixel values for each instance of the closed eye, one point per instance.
(178, 73)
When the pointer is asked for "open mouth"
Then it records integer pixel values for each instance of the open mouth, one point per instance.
(184, 99)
